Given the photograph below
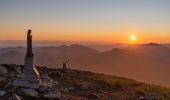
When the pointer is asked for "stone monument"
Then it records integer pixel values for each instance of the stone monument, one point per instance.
(30, 77)
(65, 66)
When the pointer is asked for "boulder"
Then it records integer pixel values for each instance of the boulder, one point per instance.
(65, 90)
(84, 86)
(47, 81)
(71, 88)
(2, 78)
(93, 96)
(29, 92)
(2, 93)
(153, 96)
(8, 84)
(52, 95)
(14, 97)
(43, 89)
(142, 98)
(58, 73)
(18, 70)
(3, 70)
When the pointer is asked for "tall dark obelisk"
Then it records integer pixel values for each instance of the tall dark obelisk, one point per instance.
(30, 78)
(29, 58)
(29, 45)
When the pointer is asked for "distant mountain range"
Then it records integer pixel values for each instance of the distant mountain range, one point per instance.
(145, 62)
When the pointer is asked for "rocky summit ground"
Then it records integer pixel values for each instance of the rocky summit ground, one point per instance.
(68, 84)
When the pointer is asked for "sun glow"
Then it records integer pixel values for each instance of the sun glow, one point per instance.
(133, 38)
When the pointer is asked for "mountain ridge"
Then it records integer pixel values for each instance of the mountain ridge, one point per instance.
(148, 65)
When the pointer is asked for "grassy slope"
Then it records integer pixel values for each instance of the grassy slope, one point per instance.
(80, 85)
(112, 86)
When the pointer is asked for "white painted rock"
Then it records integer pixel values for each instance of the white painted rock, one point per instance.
(2, 93)
(52, 95)
(3, 70)
(30, 92)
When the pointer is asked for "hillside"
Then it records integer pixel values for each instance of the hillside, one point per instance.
(59, 84)
(146, 62)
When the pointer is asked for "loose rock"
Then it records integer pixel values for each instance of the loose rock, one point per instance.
(53, 95)
(3, 70)
(93, 96)
(2, 93)
(14, 97)
(29, 92)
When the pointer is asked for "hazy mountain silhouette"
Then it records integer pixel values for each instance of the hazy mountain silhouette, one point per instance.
(12, 56)
(142, 62)
(145, 62)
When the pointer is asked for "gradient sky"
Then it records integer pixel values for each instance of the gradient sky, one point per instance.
(107, 21)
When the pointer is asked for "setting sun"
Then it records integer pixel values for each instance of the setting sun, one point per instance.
(132, 37)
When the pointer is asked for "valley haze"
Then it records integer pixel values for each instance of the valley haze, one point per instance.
(143, 62)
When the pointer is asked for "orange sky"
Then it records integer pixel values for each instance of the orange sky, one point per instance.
(91, 36)
(103, 21)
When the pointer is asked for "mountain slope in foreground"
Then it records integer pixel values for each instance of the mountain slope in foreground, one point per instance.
(59, 84)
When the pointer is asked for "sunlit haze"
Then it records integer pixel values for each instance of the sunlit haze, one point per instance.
(103, 21)
(85, 49)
